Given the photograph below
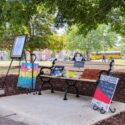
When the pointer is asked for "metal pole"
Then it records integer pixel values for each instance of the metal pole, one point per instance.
(32, 54)
(7, 73)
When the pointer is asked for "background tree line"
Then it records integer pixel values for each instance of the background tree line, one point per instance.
(92, 25)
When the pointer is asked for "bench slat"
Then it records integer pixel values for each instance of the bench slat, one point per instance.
(85, 80)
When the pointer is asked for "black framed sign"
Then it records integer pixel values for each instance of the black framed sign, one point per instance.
(18, 46)
(79, 64)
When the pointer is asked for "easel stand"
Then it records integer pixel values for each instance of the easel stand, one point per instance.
(12, 59)
(102, 111)
(95, 106)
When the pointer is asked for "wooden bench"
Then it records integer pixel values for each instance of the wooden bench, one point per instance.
(79, 74)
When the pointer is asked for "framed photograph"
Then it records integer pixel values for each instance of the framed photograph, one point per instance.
(18, 46)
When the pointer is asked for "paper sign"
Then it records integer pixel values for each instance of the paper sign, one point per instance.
(18, 46)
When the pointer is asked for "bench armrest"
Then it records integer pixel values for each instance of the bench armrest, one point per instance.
(45, 67)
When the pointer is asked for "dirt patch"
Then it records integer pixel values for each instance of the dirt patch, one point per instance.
(11, 85)
(118, 119)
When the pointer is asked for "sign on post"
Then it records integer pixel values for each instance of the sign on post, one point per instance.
(18, 46)
(78, 62)
(105, 92)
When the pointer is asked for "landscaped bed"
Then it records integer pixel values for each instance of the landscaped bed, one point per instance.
(118, 119)
(59, 85)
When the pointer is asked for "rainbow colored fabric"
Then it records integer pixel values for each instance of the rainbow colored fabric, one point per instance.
(25, 76)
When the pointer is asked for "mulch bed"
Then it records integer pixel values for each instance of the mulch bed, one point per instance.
(118, 119)
(11, 85)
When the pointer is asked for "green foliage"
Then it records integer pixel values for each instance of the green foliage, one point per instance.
(35, 18)
(57, 42)
(122, 46)
(95, 40)
(25, 17)
(89, 13)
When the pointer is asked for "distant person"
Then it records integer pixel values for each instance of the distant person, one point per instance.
(103, 58)
(1, 58)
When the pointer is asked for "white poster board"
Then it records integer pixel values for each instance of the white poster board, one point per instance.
(105, 92)
(18, 46)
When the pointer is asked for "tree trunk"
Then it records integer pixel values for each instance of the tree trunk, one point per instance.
(87, 55)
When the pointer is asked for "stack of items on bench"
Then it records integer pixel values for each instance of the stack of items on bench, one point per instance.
(68, 71)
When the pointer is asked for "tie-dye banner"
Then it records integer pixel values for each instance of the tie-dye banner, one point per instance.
(25, 76)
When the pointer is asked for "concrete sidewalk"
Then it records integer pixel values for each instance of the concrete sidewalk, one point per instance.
(6, 121)
(51, 109)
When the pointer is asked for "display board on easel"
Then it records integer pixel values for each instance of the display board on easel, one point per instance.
(18, 46)
(17, 52)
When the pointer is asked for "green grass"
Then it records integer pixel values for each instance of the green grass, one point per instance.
(4, 65)
(119, 64)
(16, 63)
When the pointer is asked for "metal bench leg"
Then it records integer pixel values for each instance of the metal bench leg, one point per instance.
(71, 83)
(41, 88)
(45, 82)
(77, 91)
(66, 91)
(51, 85)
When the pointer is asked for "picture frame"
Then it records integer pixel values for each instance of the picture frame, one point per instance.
(18, 46)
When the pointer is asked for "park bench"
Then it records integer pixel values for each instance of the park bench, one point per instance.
(80, 74)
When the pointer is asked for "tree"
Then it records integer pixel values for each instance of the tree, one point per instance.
(121, 45)
(89, 13)
(58, 42)
(93, 41)
(25, 17)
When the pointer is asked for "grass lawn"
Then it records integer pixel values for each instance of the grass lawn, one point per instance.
(14, 69)
(16, 63)
(119, 64)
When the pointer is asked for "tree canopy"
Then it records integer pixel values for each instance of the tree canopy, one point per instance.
(101, 39)
(29, 17)
(89, 13)
(36, 18)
